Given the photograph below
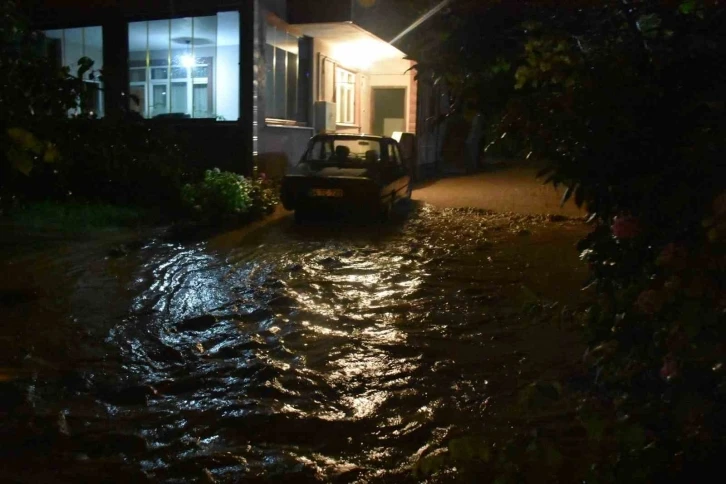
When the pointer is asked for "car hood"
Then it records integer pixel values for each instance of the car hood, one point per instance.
(331, 171)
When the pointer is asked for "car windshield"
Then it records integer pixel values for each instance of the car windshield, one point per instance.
(344, 151)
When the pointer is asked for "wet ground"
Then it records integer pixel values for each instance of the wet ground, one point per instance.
(502, 187)
(316, 352)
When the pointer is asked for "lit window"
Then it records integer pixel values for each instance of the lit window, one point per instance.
(185, 67)
(282, 65)
(67, 47)
(344, 96)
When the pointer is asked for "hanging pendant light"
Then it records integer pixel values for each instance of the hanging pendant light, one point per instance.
(187, 59)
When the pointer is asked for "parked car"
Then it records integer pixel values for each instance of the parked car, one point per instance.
(343, 172)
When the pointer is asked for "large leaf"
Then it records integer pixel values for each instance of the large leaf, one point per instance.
(20, 160)
(687, 7)
(25, 140)
(595, 427)
(51, 154)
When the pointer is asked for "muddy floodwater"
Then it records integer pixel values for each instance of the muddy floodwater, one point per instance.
(302, 353)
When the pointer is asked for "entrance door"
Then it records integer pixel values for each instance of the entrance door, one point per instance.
(389, 110)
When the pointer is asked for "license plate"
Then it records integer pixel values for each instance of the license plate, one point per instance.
(326, 192)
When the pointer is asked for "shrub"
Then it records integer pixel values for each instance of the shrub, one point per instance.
(625, 102)
(223, 194)
(126, 161)
(264, 194)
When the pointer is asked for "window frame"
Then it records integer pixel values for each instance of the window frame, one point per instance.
(93, 82)
(209, 61)
(149, 83)
(293, 114)
(349, 90)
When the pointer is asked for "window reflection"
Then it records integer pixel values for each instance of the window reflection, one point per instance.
(282, 50)
(186, 67)
(68, 46)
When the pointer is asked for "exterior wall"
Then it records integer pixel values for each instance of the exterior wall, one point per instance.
(392, 73)
(277, 7)
(226, 145)
(385, 73)
(277, 147)
(235, 145)
(322, 51)
(412, 102)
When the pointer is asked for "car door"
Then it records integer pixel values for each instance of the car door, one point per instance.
(399, 177)
(405, 179)
(387, 170)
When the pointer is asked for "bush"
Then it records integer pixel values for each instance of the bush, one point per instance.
(624, 100)
(125, 161)
(223, 194)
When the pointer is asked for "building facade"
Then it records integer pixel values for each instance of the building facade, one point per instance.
(244, 81)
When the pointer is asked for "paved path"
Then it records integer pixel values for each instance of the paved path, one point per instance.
(502, 189)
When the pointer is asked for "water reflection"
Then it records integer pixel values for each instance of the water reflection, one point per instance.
(303, 353)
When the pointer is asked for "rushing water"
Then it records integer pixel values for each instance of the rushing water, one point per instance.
(305, 353)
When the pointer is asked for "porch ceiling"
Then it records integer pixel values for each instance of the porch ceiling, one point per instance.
(351, 44)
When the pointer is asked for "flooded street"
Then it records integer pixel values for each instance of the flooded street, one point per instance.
(309, 353)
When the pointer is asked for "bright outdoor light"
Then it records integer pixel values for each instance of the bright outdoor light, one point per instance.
(187, 60)
(362, 53)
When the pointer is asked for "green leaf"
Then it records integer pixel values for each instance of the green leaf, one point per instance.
(21, 160)
(465, 449)
(649, 24)
(25, 140)
(595, 427)
(634, 437)
(51, 154)
(461, 449)
(553, 457)
(539, 395)
(431, 463)
(687, 7)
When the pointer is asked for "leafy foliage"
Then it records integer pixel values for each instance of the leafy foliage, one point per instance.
(223, 194)
(33, 95)
(128, 161)
(624, 103)
(54, 147)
